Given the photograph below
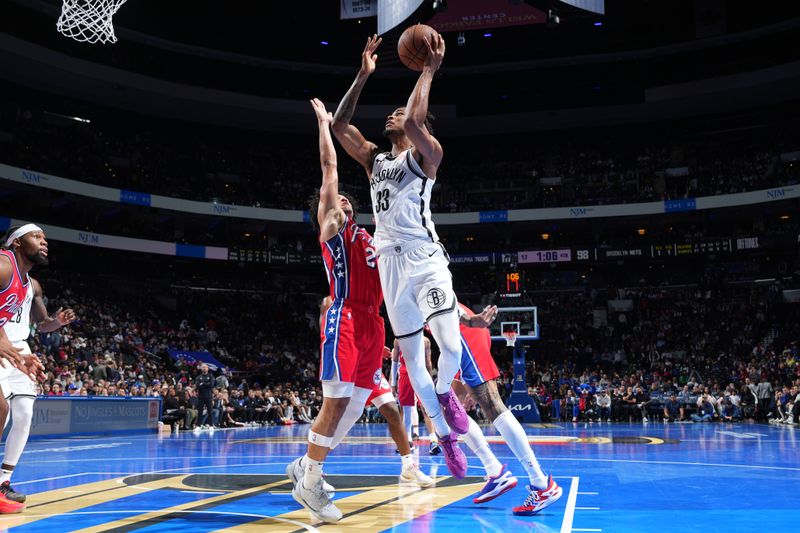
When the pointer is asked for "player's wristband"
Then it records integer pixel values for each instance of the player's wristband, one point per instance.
(393, 374)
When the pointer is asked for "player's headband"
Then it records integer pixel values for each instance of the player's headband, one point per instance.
(27, 228)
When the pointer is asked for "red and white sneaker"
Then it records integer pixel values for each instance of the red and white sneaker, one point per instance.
(539, 499)
(8, 507)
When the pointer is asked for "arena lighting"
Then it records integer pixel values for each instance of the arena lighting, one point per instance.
(545, 236)
(440, 6)
(461, 40)
(641, 231)
(324, 43)
(784, 217)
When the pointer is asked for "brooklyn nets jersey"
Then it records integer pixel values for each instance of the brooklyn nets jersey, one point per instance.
(18, 327)
(401, 201)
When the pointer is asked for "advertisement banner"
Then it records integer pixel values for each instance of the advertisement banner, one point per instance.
(54, 416)
(481, 14)
(356, 9)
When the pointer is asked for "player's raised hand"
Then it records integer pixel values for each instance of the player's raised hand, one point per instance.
(435, 52)
(323, 115)
(368, 56)
(34, 368)
(485, 318)
(65, 317)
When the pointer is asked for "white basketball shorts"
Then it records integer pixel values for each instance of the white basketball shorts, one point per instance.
(14, 382)
(417, 285)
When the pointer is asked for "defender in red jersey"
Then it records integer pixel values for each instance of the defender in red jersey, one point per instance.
(353, 334)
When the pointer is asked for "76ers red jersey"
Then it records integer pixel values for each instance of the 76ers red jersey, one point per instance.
(12, 297)
(351, 264)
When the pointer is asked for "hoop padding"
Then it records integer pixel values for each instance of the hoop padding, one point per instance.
(89, 21)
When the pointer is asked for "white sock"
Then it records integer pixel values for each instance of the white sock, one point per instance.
(353, 411)
(414, 355)
(447, 335)
(414, 420)
(517, 440)
(408, 461)
(477, 443)
(313, 473)
(434, 438)
(5, 475)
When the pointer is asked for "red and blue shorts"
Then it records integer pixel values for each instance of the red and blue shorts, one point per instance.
(381, 394)
(477, 364)
(352, 344)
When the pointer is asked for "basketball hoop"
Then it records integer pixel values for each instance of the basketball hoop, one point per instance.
(511, 338)
(89, 21)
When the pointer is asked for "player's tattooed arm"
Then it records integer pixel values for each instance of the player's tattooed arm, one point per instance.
(348, 135)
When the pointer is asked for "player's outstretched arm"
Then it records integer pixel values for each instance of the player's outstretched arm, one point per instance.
(417, 107)
(47, 323)
(329, 214)
(483, 319)
(348, 135)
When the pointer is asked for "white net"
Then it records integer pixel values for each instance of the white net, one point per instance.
(511, 338)
(89, 20)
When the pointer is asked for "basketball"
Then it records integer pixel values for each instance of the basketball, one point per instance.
(411, 46)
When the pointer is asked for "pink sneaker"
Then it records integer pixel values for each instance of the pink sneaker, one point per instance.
(453, 412)
(453, 456)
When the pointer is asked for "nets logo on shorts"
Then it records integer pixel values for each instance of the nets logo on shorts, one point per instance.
(377, 377)
(436, 298)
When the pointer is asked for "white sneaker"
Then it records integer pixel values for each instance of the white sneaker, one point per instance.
(295, 472)
(317, 501)
(412, 474)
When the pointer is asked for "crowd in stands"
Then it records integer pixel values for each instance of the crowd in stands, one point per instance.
(727, 353)
(256, 169)
(709, 352)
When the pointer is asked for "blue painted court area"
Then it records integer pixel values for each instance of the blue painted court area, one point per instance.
(643, 478)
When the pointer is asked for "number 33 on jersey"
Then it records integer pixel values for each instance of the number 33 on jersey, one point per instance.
(401, 200)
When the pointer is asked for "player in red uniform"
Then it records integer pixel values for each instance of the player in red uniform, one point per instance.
(477, 376)
(13, 290)
(383, 399)
(353, 335)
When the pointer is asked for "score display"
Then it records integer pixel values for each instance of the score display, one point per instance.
(545, 256)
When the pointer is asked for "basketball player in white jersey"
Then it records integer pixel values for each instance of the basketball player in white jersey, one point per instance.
(417, 284)
(29, 246)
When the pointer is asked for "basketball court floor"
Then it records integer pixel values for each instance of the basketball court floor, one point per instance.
(645, 478)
